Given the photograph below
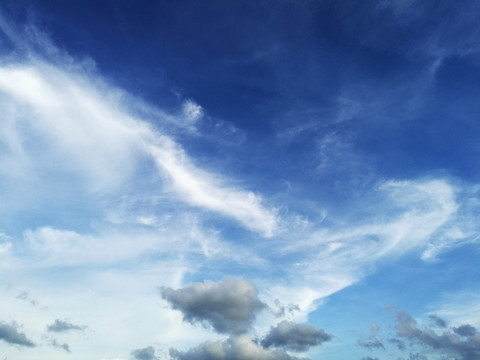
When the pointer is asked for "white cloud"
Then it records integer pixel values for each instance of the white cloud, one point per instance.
(83, 129)
(59, 118)
(53, 247)
(4, 247)
(459, 308)
(405, 217)
(192, 111)
(304, 298)
(408, 214)
(62, 127)
(79, 126)
(5, 244)
(201, 189)
(181, 238)
(461, 230)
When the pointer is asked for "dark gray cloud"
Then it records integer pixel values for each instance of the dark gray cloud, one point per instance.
(369, 358)
(406, 326)
(235, 348)
(438, 321)
(147, 353)
(229, 306)
(293, 336)
(462, 343)
(56, 344)
(465, 330)
(63, 326)
(371, 344)
(10, 334)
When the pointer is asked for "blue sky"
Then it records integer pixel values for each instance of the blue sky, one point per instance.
(239, 180)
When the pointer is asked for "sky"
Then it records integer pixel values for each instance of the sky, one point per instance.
(239, 180)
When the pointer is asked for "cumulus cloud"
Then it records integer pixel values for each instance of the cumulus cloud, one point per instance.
(147, 353)
(293, 336)
(10, 334)
(229, 306)
(461, 343)
(64, 326)
(234, 348)
(465, 330)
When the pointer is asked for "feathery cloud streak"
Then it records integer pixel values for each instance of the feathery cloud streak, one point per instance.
(86, 130)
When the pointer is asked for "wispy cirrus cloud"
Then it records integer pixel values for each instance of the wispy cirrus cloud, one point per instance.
(458, 307)
(404, 216)
(85, 128)
(200, 189)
